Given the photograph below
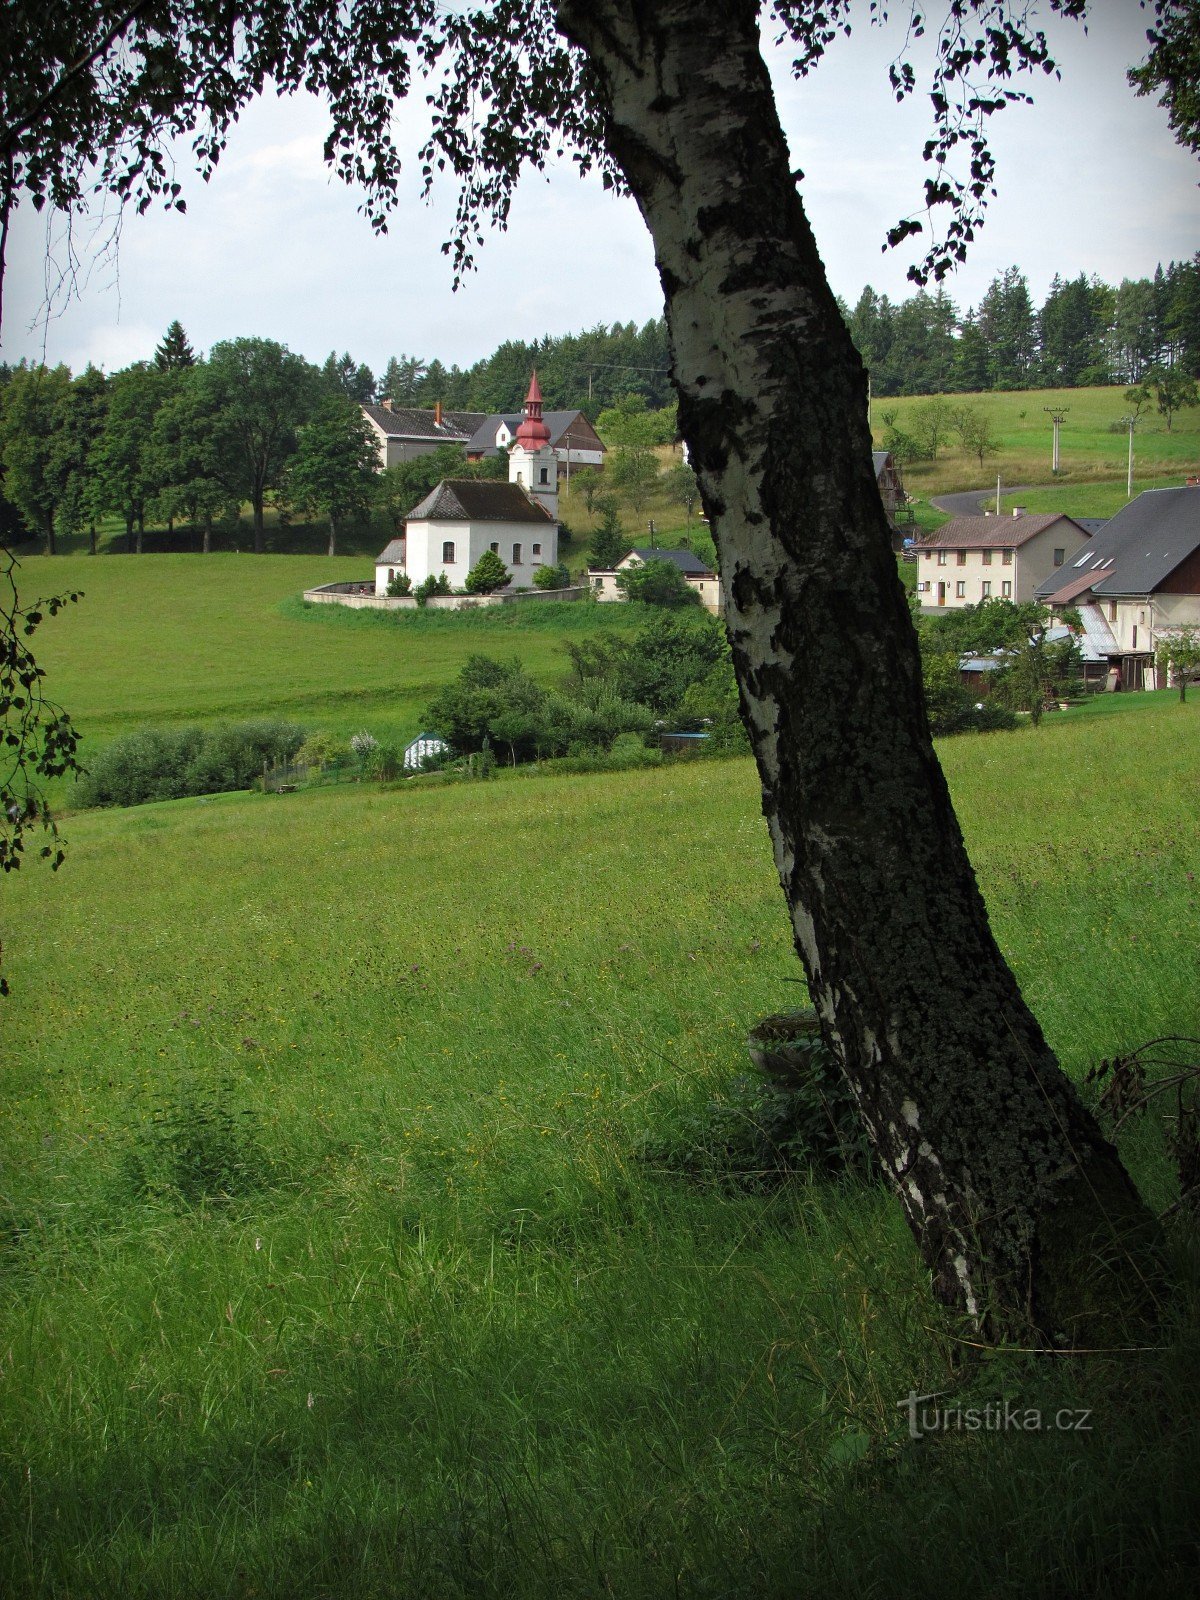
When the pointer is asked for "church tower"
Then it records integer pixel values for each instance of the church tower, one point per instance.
(531, 461)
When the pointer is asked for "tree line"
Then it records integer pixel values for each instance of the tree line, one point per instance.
(1085, 333)
(179, 439)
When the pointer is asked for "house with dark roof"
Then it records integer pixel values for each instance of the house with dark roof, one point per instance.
(402, 433)
(1138, 577)
(970, 559)
(696, 573)
(450, 529)
(572, 438)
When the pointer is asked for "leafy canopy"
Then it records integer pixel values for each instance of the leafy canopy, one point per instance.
(92, 94)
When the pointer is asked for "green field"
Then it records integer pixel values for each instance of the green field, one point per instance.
(458, 1330)
(1090, 451)
(185, 638)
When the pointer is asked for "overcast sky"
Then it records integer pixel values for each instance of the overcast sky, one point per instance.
(1090, 181)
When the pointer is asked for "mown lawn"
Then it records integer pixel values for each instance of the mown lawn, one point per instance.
(459, 1328)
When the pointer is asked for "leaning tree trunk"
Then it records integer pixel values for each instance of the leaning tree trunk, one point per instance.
(1022, 1210)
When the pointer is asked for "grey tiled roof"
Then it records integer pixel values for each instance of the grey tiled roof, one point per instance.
(410, 422)
(478, 500)
(1137, 549)
(483, 441)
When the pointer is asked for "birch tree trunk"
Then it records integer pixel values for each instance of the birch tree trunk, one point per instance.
(1023, 1212)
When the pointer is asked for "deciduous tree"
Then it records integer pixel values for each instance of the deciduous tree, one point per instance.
(335, 465)
(262, 393)
(1023, 1212)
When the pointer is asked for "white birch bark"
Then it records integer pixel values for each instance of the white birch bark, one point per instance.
(1002, 1173)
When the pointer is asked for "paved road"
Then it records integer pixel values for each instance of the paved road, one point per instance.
(975, 501)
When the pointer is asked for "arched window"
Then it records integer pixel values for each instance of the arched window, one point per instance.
(448, 553)
(516, 555)
(545, 474)
(494, 547)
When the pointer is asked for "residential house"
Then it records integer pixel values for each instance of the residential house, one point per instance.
(970, 559)
(402, 433)
(696, 573)
(572, 438)
(1137, 580)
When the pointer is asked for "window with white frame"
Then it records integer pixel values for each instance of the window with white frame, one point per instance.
(960, 589)
(941, 558)
(1006, 590)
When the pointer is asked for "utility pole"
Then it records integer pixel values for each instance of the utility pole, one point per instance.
(1056, 414)
(1131, 424)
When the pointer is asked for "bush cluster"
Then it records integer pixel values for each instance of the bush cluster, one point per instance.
(170, 763)
(676, 671)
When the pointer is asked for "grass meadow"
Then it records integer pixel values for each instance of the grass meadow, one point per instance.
(456, 1327)
(181, 638)
(1093, 447)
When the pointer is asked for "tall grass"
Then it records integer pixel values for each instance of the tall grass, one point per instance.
(332, 1263)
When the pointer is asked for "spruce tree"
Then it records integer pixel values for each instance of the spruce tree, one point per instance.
(175, 352)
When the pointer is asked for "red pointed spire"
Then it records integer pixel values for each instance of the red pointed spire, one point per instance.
(533, 433)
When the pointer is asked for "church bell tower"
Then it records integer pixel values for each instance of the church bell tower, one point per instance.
(531, 461)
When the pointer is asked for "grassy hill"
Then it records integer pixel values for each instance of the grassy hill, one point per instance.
(180, 638)
(1093, 447)
(464, 1325)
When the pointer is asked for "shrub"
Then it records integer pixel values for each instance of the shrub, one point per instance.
(401, 584)
(657, 583)
(382, 762)
(437, 583)
(170, 763)
(488, 574)
(556, 577)
(323, 750)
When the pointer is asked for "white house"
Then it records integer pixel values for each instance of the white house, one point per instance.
(572, 438)
(1138, 578)
(450, 529)
(696, 575)
(970, 559)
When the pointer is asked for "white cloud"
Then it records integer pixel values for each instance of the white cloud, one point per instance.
(1090, 181)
